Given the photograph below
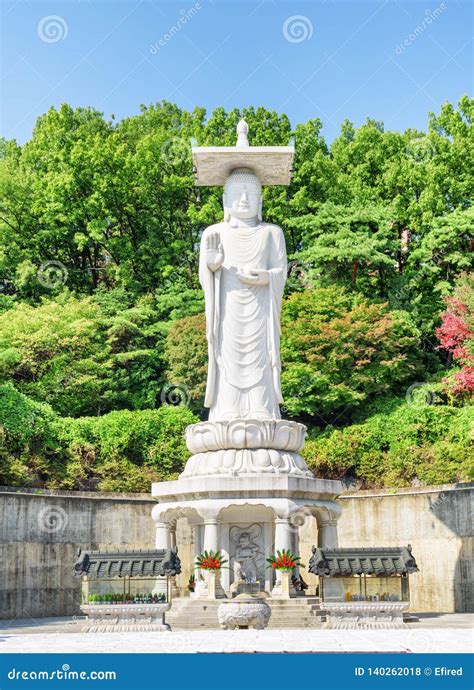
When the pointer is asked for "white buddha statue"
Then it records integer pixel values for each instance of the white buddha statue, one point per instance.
(242, 271)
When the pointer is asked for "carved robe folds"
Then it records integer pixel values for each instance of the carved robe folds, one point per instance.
(243, 324)
(245, 433)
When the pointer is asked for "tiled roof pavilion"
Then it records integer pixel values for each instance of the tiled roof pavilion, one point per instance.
(378, 561)
(108, 564)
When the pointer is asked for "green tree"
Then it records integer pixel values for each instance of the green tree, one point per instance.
(81, 358)
(400, 443)
(121, 451)
(186, 355)
(340, 350)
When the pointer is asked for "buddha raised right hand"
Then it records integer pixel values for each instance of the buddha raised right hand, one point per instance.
(214, 251)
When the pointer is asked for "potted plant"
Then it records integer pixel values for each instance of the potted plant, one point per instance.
(284, 562)
(192, 583)
(212, 563)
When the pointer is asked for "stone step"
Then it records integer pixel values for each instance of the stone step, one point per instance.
(274, 622)
(214, 624)
(175, 615)
(275, 616)
(275, 611)
(192, 614)
(275, 625)
(290, 609)
(294, 601)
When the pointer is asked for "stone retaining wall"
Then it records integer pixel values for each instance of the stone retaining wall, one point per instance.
(437, 521)
(40, 534)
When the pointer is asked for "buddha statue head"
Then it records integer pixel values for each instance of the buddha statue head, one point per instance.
(242, 197)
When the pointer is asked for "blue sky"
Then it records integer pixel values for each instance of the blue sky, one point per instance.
(393, 61)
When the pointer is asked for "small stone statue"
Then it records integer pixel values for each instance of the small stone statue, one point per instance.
(245, 564)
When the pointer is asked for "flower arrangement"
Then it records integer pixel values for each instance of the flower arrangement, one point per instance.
(210, 560)
(284, 560)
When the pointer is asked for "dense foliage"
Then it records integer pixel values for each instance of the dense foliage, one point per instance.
(82, 356)
(101, 323)
(403, 442)
(119, 451)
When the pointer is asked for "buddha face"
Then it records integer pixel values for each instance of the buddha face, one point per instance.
(242, 196)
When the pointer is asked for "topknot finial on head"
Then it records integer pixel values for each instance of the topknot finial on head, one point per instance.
(242, 131)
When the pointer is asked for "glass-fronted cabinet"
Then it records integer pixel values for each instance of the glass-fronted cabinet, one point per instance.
(370, 588)
(125, 590)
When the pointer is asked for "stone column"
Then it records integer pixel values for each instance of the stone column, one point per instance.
(162, 535)
(327, 534)
(282, 534)
(327, 539)
(211, 535)
(282, 541)
(162, 541)
(211, 543)
(174, 586)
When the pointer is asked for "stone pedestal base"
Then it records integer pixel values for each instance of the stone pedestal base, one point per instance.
(210, 587)
(283, 588)
(267, 508)
(241, 587)
(125, 617)
(246, 446)
(365, 614)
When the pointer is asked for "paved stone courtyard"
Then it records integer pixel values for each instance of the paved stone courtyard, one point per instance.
(437, 633)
